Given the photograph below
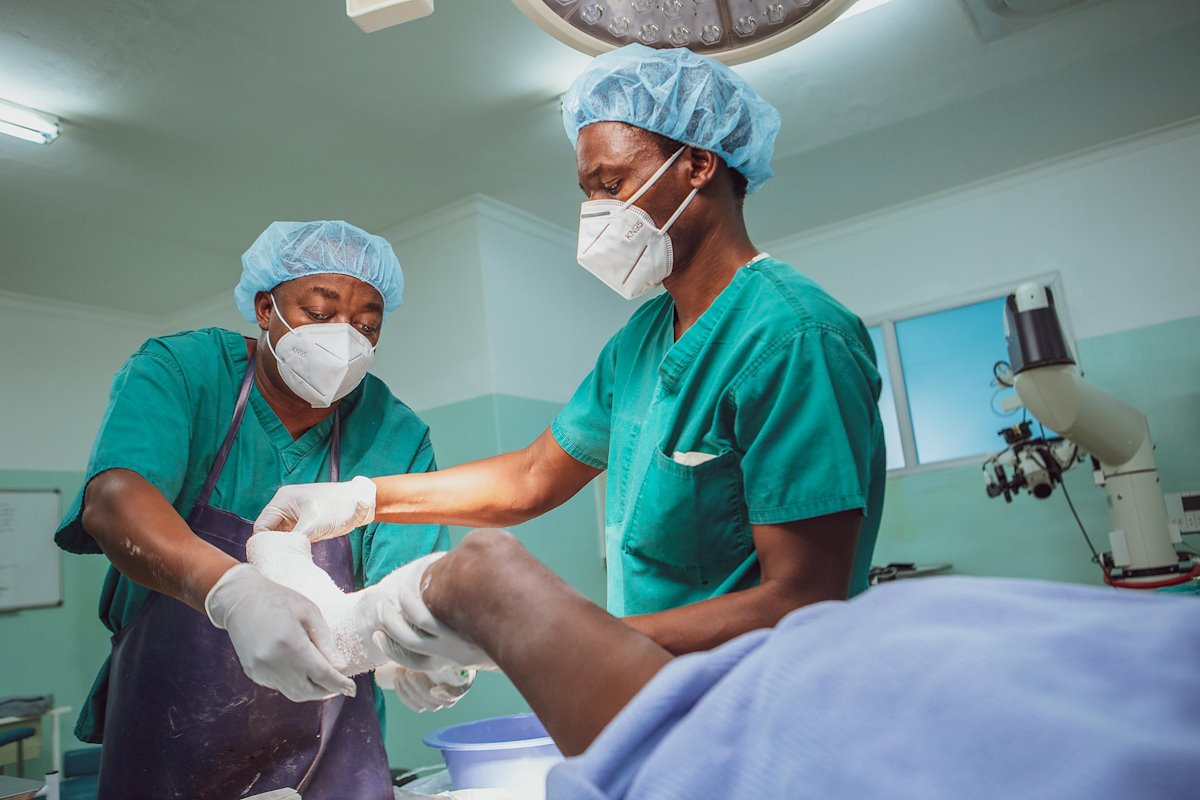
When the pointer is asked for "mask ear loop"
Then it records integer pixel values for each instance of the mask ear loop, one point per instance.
(682, 207)
(653, 179)
(279, 313)
(267, 333)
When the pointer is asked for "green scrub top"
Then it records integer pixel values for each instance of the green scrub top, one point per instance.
(168, 411)
(765, 411)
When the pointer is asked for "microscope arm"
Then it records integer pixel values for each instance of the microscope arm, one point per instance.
(1111, 430)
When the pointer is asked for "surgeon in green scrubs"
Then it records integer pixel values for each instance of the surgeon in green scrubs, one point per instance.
(305, 407)
(736, 413)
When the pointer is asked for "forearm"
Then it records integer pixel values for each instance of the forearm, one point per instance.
(494, 492)
(555, 646)
(146, 539)
(801, 562)
(710, 623)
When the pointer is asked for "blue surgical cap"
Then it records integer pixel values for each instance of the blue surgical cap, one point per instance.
(289, 250)
(683, 96)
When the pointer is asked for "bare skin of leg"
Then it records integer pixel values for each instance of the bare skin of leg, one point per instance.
(574, 663)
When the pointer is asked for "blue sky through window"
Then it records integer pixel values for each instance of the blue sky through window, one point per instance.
(947, 360)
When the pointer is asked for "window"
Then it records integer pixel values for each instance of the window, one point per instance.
(887, 404)
(940, 402)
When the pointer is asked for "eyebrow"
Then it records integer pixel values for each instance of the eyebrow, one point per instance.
(324, 291)
(332, 294)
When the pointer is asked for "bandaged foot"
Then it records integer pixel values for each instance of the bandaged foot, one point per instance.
(286, 559)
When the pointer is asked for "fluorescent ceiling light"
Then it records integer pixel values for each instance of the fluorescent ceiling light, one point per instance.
(25, 123)
(732, 31)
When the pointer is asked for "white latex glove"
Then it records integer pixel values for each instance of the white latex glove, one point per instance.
(320, 510)
(355, 618)
(425, 691)
(410, 635)
(286, 559)
(278, 634)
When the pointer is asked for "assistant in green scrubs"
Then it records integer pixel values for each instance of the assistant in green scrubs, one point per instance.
(763, 412)
(736, 414)
(168, 411)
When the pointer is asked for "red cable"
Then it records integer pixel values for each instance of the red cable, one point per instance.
(1173, 581)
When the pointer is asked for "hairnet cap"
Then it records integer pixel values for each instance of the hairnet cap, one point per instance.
(289, 250)
(683, 96)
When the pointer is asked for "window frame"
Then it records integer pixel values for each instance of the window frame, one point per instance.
(890, 358)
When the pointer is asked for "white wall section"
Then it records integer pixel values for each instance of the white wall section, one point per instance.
(1118, 223)
(58, 363)
(495, 303)
(434, 349)
(548, 318)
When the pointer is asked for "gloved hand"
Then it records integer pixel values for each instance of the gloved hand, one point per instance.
(286, 559)
(278, 634)
(425, 691)
(320, 510)
(410, 635)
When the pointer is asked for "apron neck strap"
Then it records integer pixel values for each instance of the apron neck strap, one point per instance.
(239, 411)
(335, 447)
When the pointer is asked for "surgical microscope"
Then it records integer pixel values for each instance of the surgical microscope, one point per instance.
(1117, 436)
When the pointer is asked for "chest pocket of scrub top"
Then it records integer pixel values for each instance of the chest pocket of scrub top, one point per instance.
(690, 516)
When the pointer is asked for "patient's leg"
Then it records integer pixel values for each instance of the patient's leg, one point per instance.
(576, 664)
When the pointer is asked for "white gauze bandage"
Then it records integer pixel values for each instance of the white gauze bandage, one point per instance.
(286, 559)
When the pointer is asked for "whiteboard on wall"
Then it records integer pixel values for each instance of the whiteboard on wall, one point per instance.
(30, 562)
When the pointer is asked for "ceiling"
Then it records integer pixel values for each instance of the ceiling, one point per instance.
(189, 125)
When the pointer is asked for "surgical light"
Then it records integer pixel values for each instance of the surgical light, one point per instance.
(732, 31)
(25, 123)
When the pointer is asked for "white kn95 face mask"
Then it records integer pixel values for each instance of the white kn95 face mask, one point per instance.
(620, 245)
(321, 362)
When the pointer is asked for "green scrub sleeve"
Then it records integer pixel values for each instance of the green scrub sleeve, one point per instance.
(583, 427)
(145, 429)
(806, 419)
(387, 546)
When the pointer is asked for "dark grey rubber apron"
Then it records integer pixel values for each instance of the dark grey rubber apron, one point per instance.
(183, 720)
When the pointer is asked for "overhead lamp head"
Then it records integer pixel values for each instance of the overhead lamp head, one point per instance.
(25, 123)
(731, 31)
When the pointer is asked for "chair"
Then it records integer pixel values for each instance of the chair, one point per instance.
(17, 735)
(81, 771)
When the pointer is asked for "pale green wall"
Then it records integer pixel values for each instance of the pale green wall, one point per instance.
(566, 539)
(58, 650)
(55, 650)
(937, 516)
(946, 516)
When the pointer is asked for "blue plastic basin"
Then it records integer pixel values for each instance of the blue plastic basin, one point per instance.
(512, 752)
